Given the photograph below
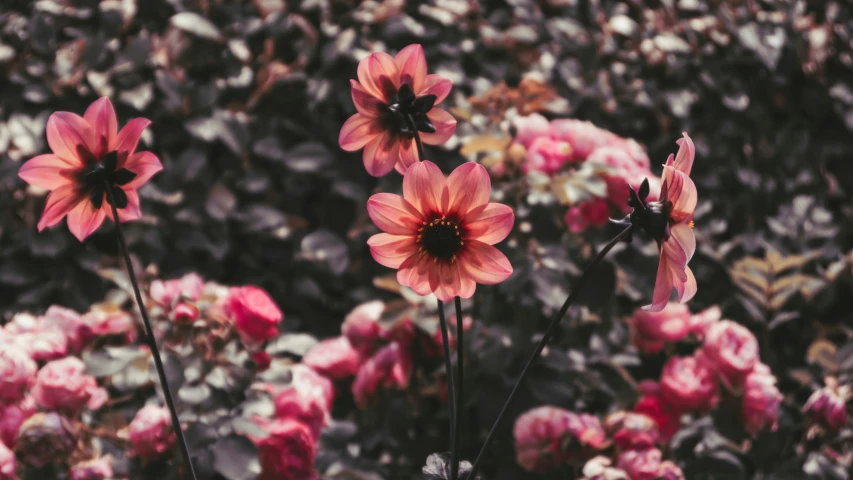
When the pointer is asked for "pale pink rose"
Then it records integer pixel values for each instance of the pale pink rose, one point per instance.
(62, 385)
(584, 137)
(255, 314)
(702, 321)
(361, 326)
(828, 406)
(592, 213)
(334, 358)
(313, 384)
(300, 405)
(46, 438)
(390, 367)
(17, 373)
(761, 400)
(169, 292)
(95, 469)
(287, 452)
(651, 330)
(7, 463)
(530, 128)
(549, 436)
(688, 384)
(109, 322)
(151, 434)
(547, 155)
(732, 350)
(12, 417)
(631, 430)
(629, 171)
(70, 323)
(44, 344)
(641, 464)
(601, 468)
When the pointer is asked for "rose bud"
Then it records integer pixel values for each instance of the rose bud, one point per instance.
(288, 452)
(761, 400)
(12, 417)
(46, 438)
(361, 326)
(828, 406)
(61, 385)
(653, 405)
(641, 464)
(151, 432)
(298, 404)
(650, 330)
(7, 463)
(17, 373)
(255, 315)
(334, 358)
(95, 469)
(632, 431)
(262, 360)
(600, 468)
(732, 350)
(548, 436)
(687, 384)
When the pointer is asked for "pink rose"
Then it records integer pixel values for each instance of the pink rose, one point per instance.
(547, 155)
(653, 405)
(761, 400)
(584, 137)
(313, 384)
(650, 330)
(104, 322)
(255, 315)
(151, 433)
(628, 170)
(688, 384)
(7, 463)
(46, 438)
(70, 323)
(641, 464)
(41, 342)
(95, 469)
(168, 292)
(288, 452)
(828, 406)
(361, 326)
(390, 367)
(334, 358)
(601, 468)
(732, 350)
(632, 430)
(702, 321)
(62, 385)
(12, 417)
(530, 128)
(670, 471)
(17, 373)
(593, 213)
(299, 404)
(549, 436)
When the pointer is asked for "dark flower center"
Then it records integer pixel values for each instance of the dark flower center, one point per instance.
(407, 113)
(104, 175)
(441, 238)
(657, 218)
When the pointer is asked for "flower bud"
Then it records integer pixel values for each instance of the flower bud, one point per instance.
(46, 438)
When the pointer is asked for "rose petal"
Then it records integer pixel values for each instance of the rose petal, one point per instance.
(393, 214)
(102, 119)
(69, 135)
(59, 203)
(48, 171)
(392, 250)
(84, 219)
(469, 186)
(422, 187)
(412, 66)
(489, 223)
(484, 263)
(444, 124)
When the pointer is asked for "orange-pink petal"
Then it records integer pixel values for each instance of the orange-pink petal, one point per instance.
(484, 263)
(411, 63)
(379, 75)
(414, 273)
(59, 203)
(438, 86)
(686, 289)
(145, 165)
(663, 286)
(131, 212)
(444, 124)
(445, 280)
(469, 186)
(422, 187)
(357, 131)
(381, 154)
(683, 234)
(48, 171)
(681, 193)
(364, 101)
(392, 250)
(69, 135)
(686, 154)
(393, 214)
(408, 156)
(84, 219)
(102, 119)
(128, 137)
(489, 223)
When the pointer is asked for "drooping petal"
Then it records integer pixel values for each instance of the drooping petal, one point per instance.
(59, 203)
(392, 250)
(686, 153)
(663, 287)
(69, 135)
(128, 138)
(408, 156)
(145, 165)
(378, 74)
(422, 187)
(414, 273)
(445, 280)
(444, 124)
(411, 63)
(489, 223)
(364, 101)
(469, 186)
(484, 263)
(393, 214)
(132, 211)
(683, 234)
(48, 171)
(436, 85)
(381, 154)
(674, 253)
(357, 131)
(686, 289)
(84, 219)
(102, 119)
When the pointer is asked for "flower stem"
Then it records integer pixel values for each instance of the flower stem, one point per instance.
(418, 142)
(552, 328)
(457, 430)
(448, 368)
(152, 342)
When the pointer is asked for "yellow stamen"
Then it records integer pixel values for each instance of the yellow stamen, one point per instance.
(691, 224)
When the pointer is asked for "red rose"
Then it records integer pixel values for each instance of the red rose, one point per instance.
(334, 358)
(652, 404)
(61, 385)
(650, 330)
(262, 360)
(549, 436)
(17, 373)
(255, 315)
(687, 384)
(630, 430)
(151, 433)
(593, 213)
(732, 350)
(299, 404)
(288, 452)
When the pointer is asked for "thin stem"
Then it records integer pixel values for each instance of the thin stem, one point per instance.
(460, 348)
(552, 328)
(152, 343)
(448, 368)
(411, 122)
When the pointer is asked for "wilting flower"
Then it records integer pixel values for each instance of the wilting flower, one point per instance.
(7, 463)
(670, 222)
(62, 385)
(651, 330)
(361, 326)
(655, 406)
(688, 384)
(255, 314)
(732, 350)
(641, 464)
(761, 400)
(299, 404)
(95, 469)
(334, 358)
(549, 436)
(389, 368)
(46, 438)
(150, 432)
(440, 233)
(12, 417)
(287, 452)
(91, 156)
(632, 430)
(17, 373)
(395, 98)
(828, 406)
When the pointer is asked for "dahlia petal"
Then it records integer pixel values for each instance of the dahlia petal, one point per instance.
(683, 234)
(489, 223)
(408, 156)
(663, 287)
(84, 219)
(128, 138)
(467, 286)
(69, 135)
(414, 273)
(59, 203)
(392, 250)
(683, 199)
(686, 289)
(378, 74)
(131, 212)
(48, 171)
(364, 101)
(381, 154)
(145, 165)
(469, 187)
(393, 214)
(445, 281)
(484, 263)
(444, 124)
(436, 85)
(686, 153)
(102, 119)
(357, 131)
(412, 65)
(422, 187)
(674, 252)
